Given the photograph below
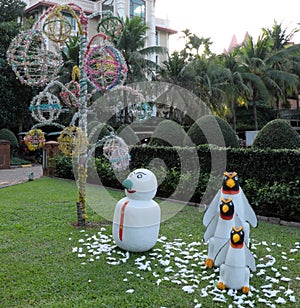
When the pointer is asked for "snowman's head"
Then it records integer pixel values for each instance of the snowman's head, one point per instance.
(141, 184)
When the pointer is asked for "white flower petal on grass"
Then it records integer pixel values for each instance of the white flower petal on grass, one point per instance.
(74, 249)
(81, 241)
(280, 300)
(81, 255)
(285, 279)
(266, 286)
(130, 291)
(188, 289)
(292, 299)
(293, 250)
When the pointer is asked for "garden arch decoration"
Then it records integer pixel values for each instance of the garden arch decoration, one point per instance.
(100, 64)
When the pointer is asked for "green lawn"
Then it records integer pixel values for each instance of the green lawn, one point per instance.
(46, 262)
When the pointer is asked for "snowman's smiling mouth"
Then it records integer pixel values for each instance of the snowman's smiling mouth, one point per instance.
(131, 191)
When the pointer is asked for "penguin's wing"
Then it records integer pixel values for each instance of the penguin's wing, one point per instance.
(250, 261)
(210, 230)
(249, 214)
(221, 254)
(212, 209)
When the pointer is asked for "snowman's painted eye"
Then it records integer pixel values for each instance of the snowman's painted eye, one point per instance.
(140, 175)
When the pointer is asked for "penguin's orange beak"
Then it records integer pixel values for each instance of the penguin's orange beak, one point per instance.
(236, 238)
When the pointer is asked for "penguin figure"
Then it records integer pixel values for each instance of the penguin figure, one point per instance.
(219, 228)
(231, 189)
(235, 259)
(136, 219)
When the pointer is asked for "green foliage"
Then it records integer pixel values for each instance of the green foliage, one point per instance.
(278, 199)
(211, 129)
(63, 166)
(277, 134)
(128, 135)
(167, 133)
(97, 130)
(7, 134)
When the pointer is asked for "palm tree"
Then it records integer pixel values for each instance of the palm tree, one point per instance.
(132, 45)
(260, 73)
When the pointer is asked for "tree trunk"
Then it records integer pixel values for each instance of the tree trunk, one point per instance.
(255, 115)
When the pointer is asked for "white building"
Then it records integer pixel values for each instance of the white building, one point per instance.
(159, 30)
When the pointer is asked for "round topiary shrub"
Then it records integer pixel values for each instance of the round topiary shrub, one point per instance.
(211, 129)
(6, 134)
(97, 130)
(168, 133)
(128, 135)
(277, 134)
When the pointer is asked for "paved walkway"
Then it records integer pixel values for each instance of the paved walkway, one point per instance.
(13, 176)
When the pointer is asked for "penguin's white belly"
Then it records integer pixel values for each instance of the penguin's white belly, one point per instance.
(234, 277)
(136, 224)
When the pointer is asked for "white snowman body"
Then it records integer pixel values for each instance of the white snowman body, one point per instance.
(136, 221)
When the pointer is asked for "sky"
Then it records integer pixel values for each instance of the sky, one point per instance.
(220, 20)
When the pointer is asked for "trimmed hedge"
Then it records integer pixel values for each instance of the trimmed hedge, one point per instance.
(211, 129)
(269, 178)
(277, 134)
(6, 134)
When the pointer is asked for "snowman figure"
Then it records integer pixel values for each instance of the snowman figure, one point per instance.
(231, 189)
(219, 228)
(136, 219)
(235, 259)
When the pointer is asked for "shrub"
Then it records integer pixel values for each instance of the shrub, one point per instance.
(128, 135)
(168, 133)
(211, 129)
(277, 134)
(6, 134)
(97, 130)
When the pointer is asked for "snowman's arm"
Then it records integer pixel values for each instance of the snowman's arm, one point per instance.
(249, 213)
(211, 228)
(212, 209)
(221, 254)
(250, 261)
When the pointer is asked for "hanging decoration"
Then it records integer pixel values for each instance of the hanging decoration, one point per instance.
(72, 141)
(116, 151)
(142, 112)
(104, 64)
(30, 61)
(110, 25)
(35, 139)
(45, 107)
(74, 88)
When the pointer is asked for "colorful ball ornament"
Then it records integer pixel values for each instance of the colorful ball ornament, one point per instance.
(72, 141)
(67, 98)
(57, 27)
(110, 25)
(104, 65)
(30, 61)
(142, 111)
(35, 139)
(45, 107)
(116, 151)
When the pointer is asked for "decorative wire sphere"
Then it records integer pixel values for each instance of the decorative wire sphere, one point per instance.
(34, 139)
(45, 107)
(142, 112)
(67, 98)
(104, 65)
(57, 27)
(72, 141)
(30, 61)
(111, 26)
(116, 151)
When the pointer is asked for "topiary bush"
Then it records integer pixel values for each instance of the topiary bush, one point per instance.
(168, 133)
(211, 129)
(128, 135)
(6, 134)
(277, 134)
